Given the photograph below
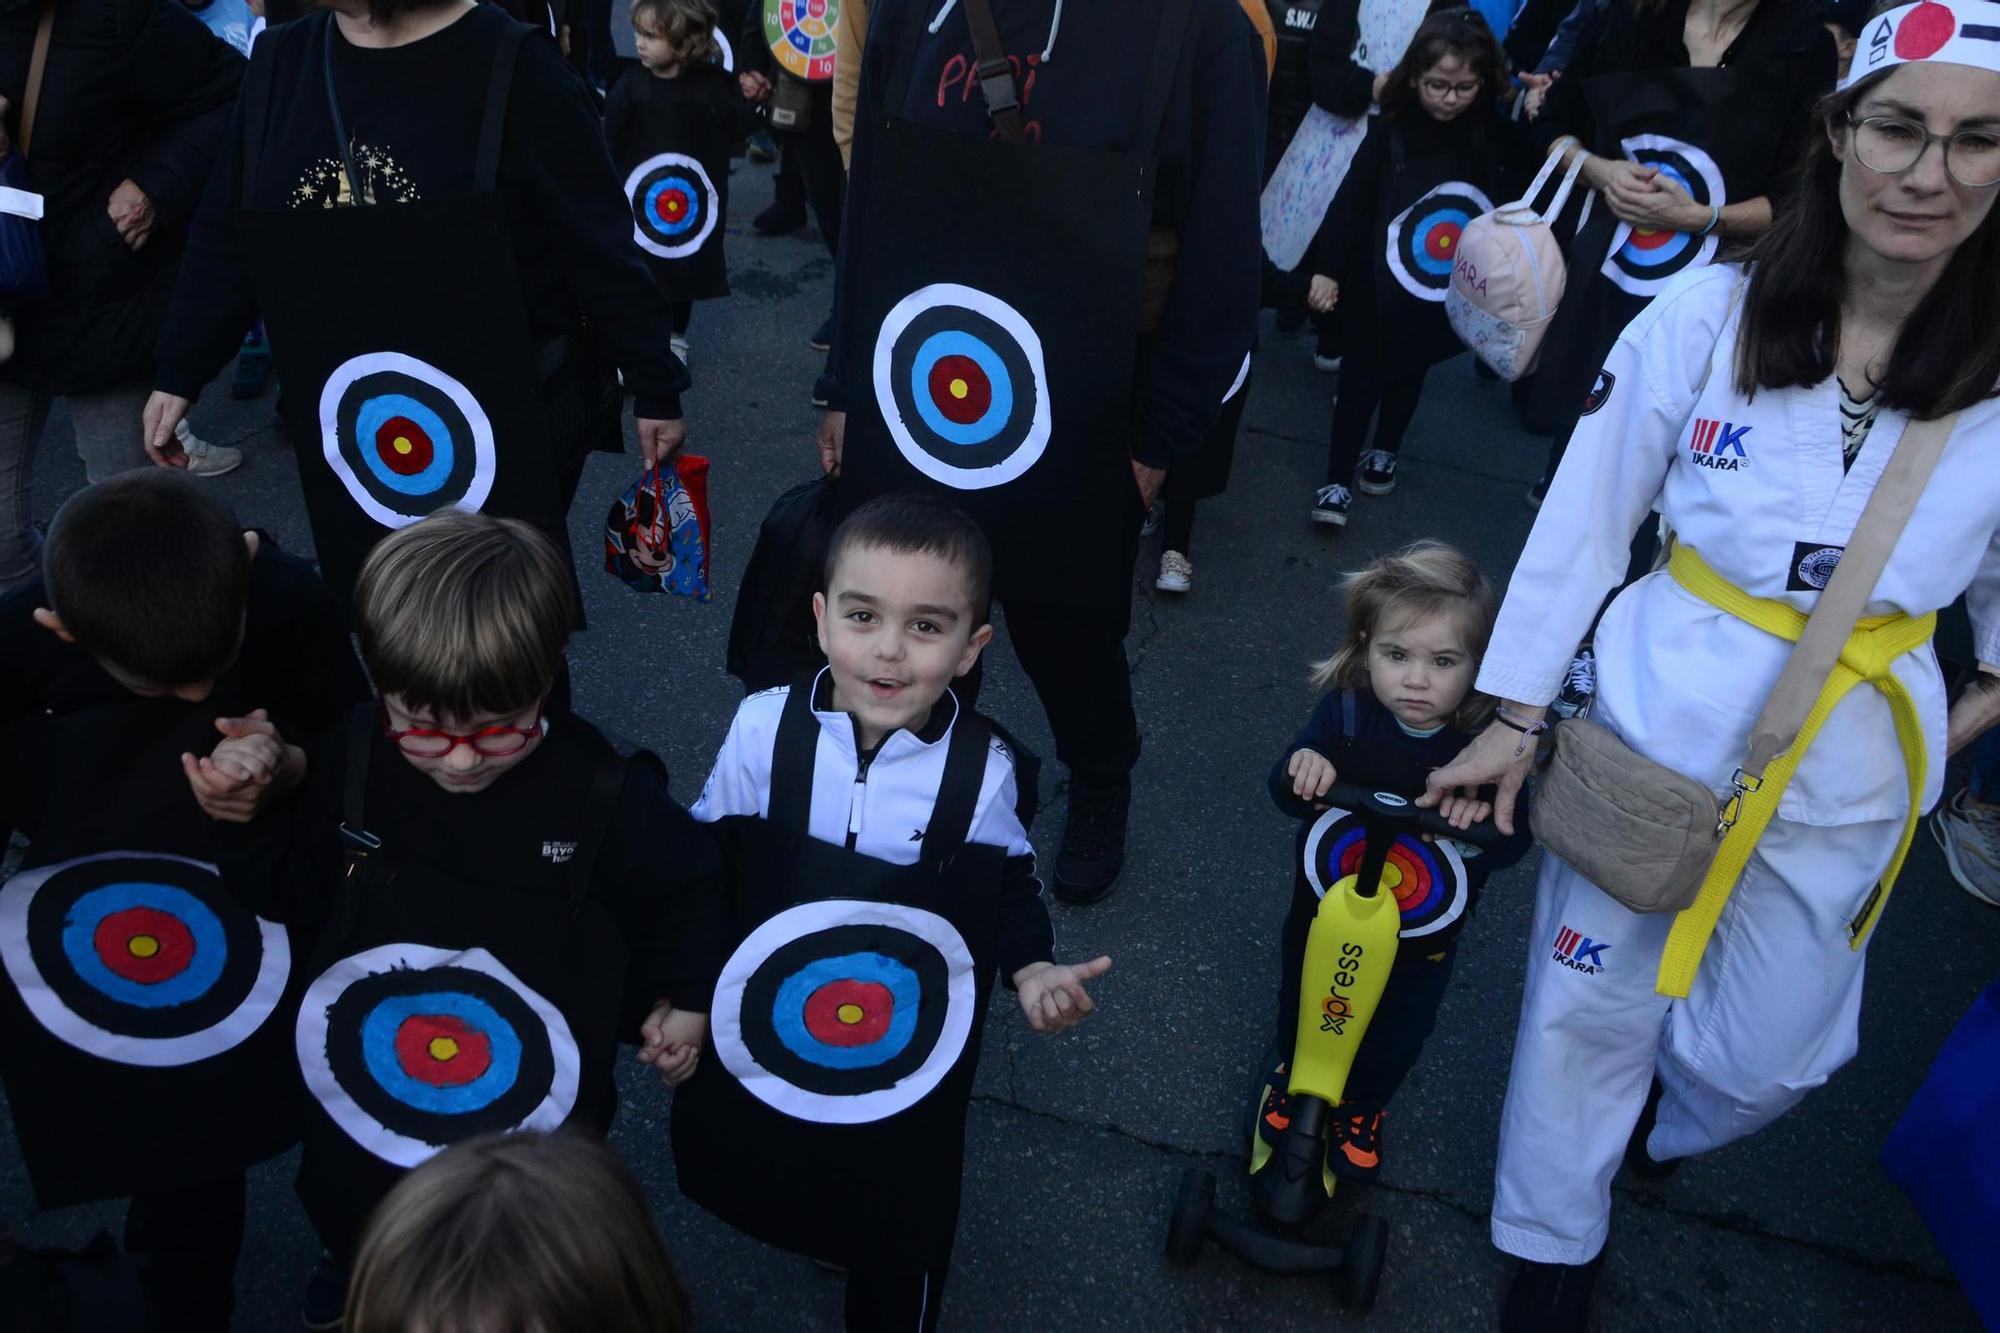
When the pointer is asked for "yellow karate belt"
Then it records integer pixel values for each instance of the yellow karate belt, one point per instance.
(1874, 646)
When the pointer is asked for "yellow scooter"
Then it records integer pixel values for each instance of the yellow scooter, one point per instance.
(1349, 952)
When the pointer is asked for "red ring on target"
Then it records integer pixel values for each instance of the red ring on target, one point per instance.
(960, 389)
(144, 945)
(672, 206)
(1442, 242)
(403, 446)
(1649, 239)
(442, 1050)
(849, 1012)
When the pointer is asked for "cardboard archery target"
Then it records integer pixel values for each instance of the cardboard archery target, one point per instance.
(1642, 261)
(405, 438)
(1423, 239)
(725, 54)
(802, 34)
(844, 1012)
(140, 959)
(411, 1049)
(1427, 878)
(962, 386)
(674, 205)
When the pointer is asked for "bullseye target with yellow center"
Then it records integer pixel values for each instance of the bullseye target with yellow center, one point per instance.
(844, 1012)
(1423, 239)
(411, 1049)
(405, 438)
(1427, 878)
(803, 35)
(674, 205)
(141, 959)
(1642, 259)
(962, 386)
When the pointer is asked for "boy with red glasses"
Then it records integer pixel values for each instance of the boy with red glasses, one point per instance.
(500, 897)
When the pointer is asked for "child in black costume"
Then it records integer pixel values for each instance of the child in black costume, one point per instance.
(1403, 705)
(879, 876)
(144, 1034)
(500, 895)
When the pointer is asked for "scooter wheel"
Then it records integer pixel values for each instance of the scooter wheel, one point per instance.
(1361, 1263)
(1188, 1227)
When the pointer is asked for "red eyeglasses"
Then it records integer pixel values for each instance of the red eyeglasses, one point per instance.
(493, 742)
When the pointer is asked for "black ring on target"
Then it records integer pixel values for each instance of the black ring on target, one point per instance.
(1427, 879)
(1423, 240)
(1645, 259)
(405, 438)
(674, 205)
(140, 959)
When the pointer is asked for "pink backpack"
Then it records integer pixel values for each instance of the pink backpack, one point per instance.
(1509, 277)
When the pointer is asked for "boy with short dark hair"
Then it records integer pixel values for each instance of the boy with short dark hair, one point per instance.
(879, 875)
(499, 895)
(144, 1033)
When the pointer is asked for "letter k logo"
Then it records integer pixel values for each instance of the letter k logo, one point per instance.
(1732, 438)
(1590, 951)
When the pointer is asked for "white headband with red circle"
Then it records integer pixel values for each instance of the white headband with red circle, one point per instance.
(1965, 32)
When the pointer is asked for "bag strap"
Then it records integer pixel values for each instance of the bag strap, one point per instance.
(257, 112)
(1839, 607)
(38, 65)
(1527, 201)
(493, 124)
(793, 756)
(354, 834)
(958, 789)
(607, 785)
(996, 76)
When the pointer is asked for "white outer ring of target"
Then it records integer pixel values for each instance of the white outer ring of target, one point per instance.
(376, 1137)
(728, 61)
(1029, 451)
(1236, 385)
(1711, 174)
(711, 205)
(151, 1052)
(726, 1015)
(1395, 250)
(477, 488)
(1446, 849)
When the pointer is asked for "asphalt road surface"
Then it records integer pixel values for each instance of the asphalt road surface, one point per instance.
(1075, 1142)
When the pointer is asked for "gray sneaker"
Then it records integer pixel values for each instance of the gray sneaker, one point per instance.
(1969, 832)
(205, 459)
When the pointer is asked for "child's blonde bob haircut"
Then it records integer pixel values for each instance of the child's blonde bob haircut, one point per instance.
(465, 614)
(686, 26)
(1422, 580)
(515, 1233)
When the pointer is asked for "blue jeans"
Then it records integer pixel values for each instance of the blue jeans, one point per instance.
(110, 438)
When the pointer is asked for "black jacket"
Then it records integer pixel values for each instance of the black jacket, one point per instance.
(134, 89)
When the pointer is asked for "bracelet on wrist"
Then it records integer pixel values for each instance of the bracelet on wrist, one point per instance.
(1528, 727)
(1714, 220)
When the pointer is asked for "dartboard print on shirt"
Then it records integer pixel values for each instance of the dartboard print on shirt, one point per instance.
(803, 35)
(1643, 261)
(140, 959)
(844, 1012)
(962, 386)
(411, 1049)
(1427, 878)
(404, 438)
(674, 205)
(1423, 238)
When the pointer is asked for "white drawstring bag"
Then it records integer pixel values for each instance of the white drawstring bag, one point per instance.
(1509, 276)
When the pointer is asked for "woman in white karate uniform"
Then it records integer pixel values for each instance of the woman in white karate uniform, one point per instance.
(1874, 294)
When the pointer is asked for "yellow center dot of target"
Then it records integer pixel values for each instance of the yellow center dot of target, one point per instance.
(402, 444)
(444, 1048)
(849, 1014)
(959, 388)
(142, 946)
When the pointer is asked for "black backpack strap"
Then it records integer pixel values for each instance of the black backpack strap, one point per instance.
(1168, 45)
(996, 75)
(493, 122)
(1348, 709)
(958, 789)
(354, 834)
(607, 789)
(793, 758)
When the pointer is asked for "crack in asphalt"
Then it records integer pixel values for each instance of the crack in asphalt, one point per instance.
(1731, 1223)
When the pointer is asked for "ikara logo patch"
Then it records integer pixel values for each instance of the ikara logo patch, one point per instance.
(1719, 445)
(1579, 953)
(1813, 564)
(1599, 392)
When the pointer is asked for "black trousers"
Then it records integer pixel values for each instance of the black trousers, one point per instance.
(900, 1301)
(186, 1243)
(1075, 658)
(1370, 386)
(809, 160)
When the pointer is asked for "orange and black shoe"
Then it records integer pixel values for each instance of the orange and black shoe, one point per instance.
(1354, 1150)
(1274, 1116)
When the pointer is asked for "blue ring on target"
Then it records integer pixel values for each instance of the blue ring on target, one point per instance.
(1422, 257)
(378, 1052)
(789, 1008)
(956, 342)
(691, 189)
(204, 969)
(1667, 251)
(375, 413)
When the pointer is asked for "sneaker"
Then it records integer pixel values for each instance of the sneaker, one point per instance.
(1176, 573)
(1579, 685)
(253, 370)
(1152, 523)
(1093, 841)
(1549, 1298)
(205, 459)
(679, 343)
(325, 1300)
(1354, 1141)
(1324, 363)
(1969, 832)
(1642, 1163)
(822, 337)
(1378, 472)
(1274, 1114)
(763, 148)
(1330, 505)
(779, 218)
(1538, 493)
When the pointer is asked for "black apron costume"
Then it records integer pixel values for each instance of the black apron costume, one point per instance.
(830, 1117)
(146, 1012)
(440, 1010)
(410, 375)
(675, 160)
(1206, 475)
(999, 298)
(1428, 198)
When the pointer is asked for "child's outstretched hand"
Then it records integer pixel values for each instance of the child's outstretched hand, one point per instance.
(1323, 295)
(251, 765)
(1311, 773)
(1052, 994)
(673, 1040)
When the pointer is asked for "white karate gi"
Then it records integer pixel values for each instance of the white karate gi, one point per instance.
(1756, 487)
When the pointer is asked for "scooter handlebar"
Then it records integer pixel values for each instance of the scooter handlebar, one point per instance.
(1386, 807)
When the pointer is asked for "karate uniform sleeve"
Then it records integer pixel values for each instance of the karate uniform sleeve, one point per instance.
(669, 901)
(1982, 604)
(213, 304)
(1024, 932)
(1338, 84)
(182, 78)
(1322, 734)
(1609, 480)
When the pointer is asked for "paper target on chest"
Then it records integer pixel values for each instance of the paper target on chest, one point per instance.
(675, 160)
(675, 205)
(1643, 260)
(140, 959)
(1423, 238)
(803, 35)
(1426, 878)
(410, 1049)
(843, 1011)
(405, 438)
